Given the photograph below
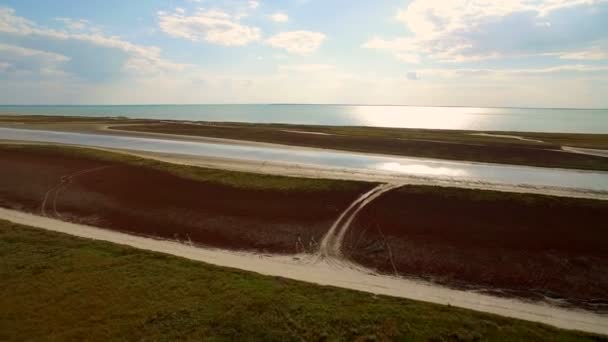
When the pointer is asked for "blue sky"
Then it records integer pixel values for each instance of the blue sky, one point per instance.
(539, 53)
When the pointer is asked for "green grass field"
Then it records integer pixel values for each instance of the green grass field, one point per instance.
(57, 287)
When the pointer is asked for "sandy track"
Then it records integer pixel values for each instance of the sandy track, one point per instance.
(331, 244)
(327, 247)
(587, 151)
(507, 136)
(63, 181)
(324, 272)
(569, 149)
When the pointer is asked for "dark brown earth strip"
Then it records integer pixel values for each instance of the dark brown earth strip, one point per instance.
(147, 201)
(513, 244)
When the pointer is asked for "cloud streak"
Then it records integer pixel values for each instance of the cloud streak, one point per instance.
(297, 42)
(138, 58)
(510, 73)
(279, 17)
(473, 30)
(211, 26)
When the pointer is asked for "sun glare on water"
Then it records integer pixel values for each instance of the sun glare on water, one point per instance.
(421, 170)
(418, 117)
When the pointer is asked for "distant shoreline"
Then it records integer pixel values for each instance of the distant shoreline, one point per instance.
(496, 119)
(297, 104)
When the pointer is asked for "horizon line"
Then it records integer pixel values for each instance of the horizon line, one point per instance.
(298, 104)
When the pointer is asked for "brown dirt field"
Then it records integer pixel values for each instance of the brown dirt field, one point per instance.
(524, 245)
(147, 201)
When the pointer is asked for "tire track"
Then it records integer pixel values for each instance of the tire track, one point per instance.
(331, 245)
(63, 181)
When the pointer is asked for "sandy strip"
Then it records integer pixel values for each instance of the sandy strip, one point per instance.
(506, 136)
(587, 151)
(305, 132)
(326, 272)
(579, 150)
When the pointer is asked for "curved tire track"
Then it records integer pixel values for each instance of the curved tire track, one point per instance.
(63, 181)
(331, 245)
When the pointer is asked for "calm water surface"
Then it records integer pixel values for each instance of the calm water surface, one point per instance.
(452, 170)
(461, 118)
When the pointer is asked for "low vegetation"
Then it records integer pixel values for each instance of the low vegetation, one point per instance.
(57, 287)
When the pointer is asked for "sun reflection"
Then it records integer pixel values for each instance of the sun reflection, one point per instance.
(421, 169)
(420, 117)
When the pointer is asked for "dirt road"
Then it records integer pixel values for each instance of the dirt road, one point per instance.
(325, 272)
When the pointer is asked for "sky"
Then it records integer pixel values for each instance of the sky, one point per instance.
(514, 53)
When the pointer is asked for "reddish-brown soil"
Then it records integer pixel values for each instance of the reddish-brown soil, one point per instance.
(149, 201)
(516, 244)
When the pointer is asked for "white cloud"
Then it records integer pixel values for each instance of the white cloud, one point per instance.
(22, 52)
(504, 73)
(589, 55)
(279, 17)
(306, 68)
(408, 58)
(473, 30)
(16, 26)
(81, 25)
(297, 42)
(212, 26)
(253, 4)
(12, 24)
(74, 24)
(25, 62)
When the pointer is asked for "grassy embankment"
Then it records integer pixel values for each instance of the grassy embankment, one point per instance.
(57, 287)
